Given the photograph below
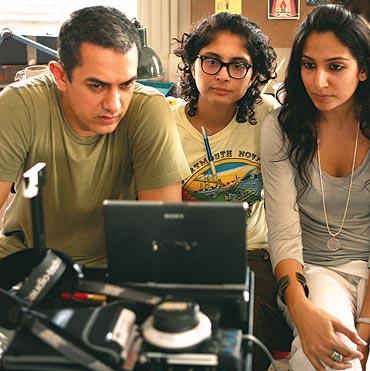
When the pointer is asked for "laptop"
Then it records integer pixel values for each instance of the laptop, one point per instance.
(176, 245)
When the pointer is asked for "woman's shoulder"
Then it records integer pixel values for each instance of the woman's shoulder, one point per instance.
(271, 126)
(267, 105)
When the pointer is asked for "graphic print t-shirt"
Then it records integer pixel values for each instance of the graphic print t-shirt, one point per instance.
(236, 152)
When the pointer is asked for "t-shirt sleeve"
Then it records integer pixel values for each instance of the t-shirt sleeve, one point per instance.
(282, 213)
(157, 155)
(15, 134)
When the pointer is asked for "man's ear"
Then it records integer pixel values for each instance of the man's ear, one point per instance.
(59, 74)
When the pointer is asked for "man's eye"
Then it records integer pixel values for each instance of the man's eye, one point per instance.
(127, 85)
(96, 85)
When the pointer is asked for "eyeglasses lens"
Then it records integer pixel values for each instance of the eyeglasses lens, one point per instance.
(213, 66)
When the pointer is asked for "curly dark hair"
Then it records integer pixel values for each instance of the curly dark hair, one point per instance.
(100, 25)
(299, 117)
(257, 45)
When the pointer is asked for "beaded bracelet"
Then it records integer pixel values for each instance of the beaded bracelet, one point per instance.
(363, 320)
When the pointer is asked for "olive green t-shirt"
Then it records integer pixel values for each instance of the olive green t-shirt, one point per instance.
(143, 153)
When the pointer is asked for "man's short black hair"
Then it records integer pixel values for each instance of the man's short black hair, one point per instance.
(100, 25)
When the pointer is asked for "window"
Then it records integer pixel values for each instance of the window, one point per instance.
(44, 17)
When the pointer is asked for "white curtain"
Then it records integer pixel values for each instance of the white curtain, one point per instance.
(164, 20)
(44, 17)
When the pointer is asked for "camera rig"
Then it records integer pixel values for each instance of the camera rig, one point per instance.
(132, 330)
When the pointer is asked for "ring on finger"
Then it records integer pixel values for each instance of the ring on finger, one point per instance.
(336, 356)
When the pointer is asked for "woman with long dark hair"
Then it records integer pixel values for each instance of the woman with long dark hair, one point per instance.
(316, 171)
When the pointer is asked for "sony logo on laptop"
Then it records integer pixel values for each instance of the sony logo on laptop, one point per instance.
(173, 216)
(174, 245)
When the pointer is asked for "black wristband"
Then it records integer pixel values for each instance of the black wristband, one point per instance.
(284, 282)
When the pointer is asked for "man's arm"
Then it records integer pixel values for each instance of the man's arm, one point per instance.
(4, 192)
(171, 193)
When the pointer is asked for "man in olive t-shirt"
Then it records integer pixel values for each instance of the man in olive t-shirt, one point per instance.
(101, 135)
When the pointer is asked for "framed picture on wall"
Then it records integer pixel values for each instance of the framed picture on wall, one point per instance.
(283, 9)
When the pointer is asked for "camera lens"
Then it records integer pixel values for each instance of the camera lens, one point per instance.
(175, 316)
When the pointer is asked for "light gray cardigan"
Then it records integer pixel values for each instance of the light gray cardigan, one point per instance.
(298, 230)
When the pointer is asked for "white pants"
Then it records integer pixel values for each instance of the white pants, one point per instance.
(341, 295)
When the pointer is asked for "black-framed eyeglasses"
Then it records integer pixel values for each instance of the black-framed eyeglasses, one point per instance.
(212, 66)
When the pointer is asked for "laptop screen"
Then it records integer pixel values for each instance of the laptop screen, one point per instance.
(182, 243)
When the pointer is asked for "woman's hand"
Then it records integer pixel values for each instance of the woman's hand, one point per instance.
(317, 330)
(363, 330)
(365, 352)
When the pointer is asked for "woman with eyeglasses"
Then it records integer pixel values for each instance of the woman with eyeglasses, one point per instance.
(225, 62)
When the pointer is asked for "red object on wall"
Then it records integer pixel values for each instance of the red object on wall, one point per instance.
(283, 8)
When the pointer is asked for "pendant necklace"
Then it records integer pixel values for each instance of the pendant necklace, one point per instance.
(333, 243)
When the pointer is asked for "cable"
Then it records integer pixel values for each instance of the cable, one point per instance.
(263, 347)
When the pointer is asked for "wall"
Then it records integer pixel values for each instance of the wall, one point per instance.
(280, 31)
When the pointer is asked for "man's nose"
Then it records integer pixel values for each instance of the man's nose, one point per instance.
(112, 100)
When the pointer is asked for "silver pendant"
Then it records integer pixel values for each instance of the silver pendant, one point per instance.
(333, 244)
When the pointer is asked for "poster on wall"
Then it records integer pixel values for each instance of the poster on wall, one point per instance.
(283, 9)
(231, 6)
